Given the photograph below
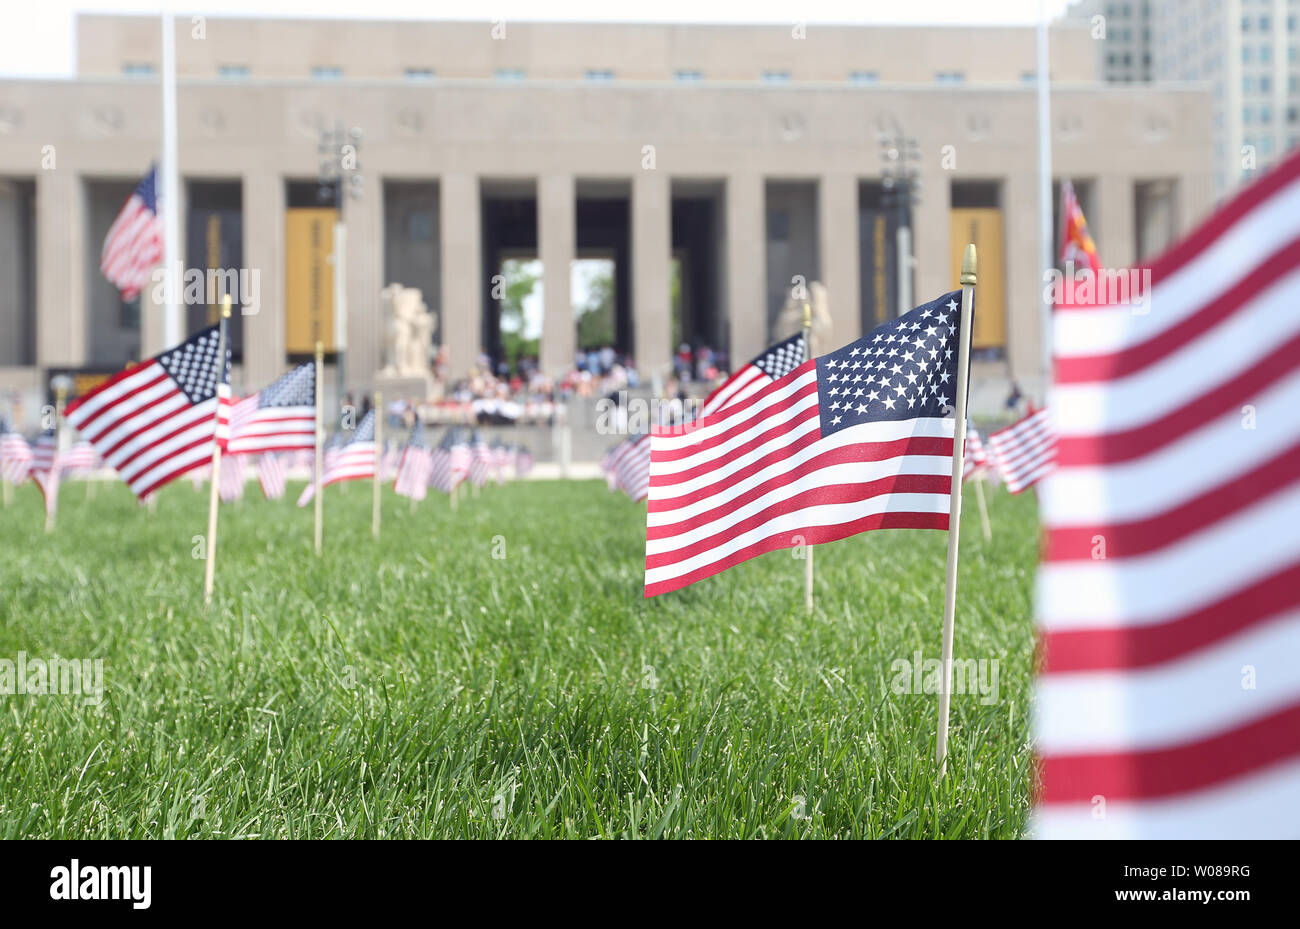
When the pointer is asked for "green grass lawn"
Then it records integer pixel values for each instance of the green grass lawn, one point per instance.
(421, 687)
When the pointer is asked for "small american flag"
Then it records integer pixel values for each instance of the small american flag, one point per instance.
(15, 455)
(632, 467)
(976, 459)
(279, 418)
(1167, 704)
(46, 468)
(271, 473)
(773, 364)
(480, 462)
(415, 465)
(449, 463)
(158, 420)
(233, 478)
(523, 462)
(1025, 451)
(354, 460)
(855, 440)
(134, 244)
(80, 458)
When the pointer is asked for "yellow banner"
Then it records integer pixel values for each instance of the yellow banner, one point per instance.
(308, 279)
(983, 226)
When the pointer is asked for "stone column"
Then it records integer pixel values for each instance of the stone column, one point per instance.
(365, 270)
(651, 264)
(1115, 226)
(556, 243)
(262, 216)
(461, 323)
(746, 236)
(837, 232)
(61, 325)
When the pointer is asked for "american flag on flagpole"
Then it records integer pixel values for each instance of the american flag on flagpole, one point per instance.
(773, 364)
(15, 455)
(354, 460)
(523, 462)
(80, 458)
(272, 470)
(1168, 700)
(1024, 452)
(278, 418)
(134, 244)
(855, 440)
(159, 419)
(415, 466)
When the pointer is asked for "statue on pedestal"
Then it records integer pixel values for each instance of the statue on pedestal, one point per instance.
(409, 341)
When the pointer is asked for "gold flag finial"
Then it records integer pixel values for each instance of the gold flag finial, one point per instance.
(807, 315)
(225, 306)
(968, 264)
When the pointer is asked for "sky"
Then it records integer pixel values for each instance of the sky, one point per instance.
(40, 42)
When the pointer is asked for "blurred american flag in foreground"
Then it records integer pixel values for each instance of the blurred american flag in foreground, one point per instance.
(1168, 704)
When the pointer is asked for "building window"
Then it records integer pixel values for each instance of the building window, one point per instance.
(688, 75)
(950, 77)
(776, 77)
(419, 74)
(510, 74)
(863, 77)
(137, 69)
(600, 74)
(233, 72)
(327, 72)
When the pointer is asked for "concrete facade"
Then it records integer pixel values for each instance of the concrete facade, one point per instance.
(647, 131)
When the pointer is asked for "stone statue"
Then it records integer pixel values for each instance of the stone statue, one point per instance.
(790, 319)
(410, 332)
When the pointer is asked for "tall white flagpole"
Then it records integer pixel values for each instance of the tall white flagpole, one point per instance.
(968, 275)
(170, 193)
(1046, 257)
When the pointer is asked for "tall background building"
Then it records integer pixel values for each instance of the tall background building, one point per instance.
(714, 167)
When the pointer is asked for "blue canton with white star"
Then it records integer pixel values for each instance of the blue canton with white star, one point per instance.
(297, 388)
(905, 369)
(193, 365)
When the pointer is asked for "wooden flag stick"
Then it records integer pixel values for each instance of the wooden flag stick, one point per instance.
(808, 549)
(210, 563)
(379, 460)
(319, 377)
(968, 277)
(984, 508)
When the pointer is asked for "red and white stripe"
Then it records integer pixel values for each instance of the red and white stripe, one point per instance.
(759, 476)
(632, 466)
(272, 472)
(258, 430)
(1168, 705)
(233, 478)
(1024, 452)
(15, 457)
(975, 459)
(414, 470)
(354, 461)
(145, 428)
